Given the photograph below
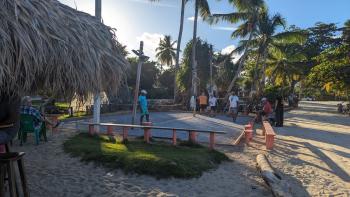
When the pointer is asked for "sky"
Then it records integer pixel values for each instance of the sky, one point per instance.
(137, 20)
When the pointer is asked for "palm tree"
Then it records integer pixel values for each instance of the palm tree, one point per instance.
(166, 51)
(201, 6)
(178, 48)
(285, 65)
(248, 14)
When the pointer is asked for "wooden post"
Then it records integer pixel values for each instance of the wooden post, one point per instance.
(125, 133)
(174, 137)
(91, 129)
(147, 131)
(110, 130)
(248, 135)
(192, 136)
(137, 86)
(212, 141)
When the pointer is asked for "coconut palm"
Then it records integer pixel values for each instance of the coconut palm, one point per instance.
(201, 6)
(248, 14)
(178, 48)
(166, 51)
(285, 65)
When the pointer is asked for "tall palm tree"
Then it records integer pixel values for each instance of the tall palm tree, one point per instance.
(201, 6)
(166, 51)
(178, 48)
(248, 14)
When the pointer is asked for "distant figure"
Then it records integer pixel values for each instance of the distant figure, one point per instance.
(212, 103)
(233, 99)
(39, 119)
(193, 103)
(143, 106)
(203, 102)
(49, 107)
(9, 116)
(267, 109)
(279, 112)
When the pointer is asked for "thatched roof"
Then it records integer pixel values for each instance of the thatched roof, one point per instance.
(47, 45)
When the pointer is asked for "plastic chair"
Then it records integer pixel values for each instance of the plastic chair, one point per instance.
(27, 126)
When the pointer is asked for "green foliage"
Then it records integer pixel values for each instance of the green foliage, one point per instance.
(203, 66)
(148, 75)
(166, 51)
(332, 69)
(158, 159)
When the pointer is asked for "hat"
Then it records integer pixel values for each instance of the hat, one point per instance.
(264, 99)
(143, 91)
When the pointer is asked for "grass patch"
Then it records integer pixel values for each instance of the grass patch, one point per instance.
(158, 159)
(75, 115)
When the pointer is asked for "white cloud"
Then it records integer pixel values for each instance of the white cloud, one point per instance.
(228, 50)
(150, 43)
(224, 28)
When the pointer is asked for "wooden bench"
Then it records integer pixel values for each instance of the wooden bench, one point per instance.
(147, 131)
(269, 134)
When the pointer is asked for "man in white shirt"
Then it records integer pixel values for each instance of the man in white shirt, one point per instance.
(234, 105)
(212, 104)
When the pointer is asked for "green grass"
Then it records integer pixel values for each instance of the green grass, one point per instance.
(75, 115)
(159, 159)
(62, 105)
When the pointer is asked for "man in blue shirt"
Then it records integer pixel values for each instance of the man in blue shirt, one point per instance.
(143, 106)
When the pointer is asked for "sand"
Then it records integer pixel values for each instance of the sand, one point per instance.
(312, 152)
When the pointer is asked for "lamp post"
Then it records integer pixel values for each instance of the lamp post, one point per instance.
(142, 58)
(97, 96)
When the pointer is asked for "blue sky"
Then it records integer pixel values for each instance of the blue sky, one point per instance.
(137, 20)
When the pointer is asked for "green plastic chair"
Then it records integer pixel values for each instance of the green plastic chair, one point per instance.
(27, 126)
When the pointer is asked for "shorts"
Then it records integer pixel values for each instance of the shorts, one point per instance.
(203, 106)
(234, 110)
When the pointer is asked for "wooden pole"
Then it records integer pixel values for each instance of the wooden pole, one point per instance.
(137, 86)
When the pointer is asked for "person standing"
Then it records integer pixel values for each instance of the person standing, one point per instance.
(143, 106)
(212, 103)
(279, 110)
(233, 99)
(203, 102)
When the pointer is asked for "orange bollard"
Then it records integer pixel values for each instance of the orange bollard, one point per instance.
(269, 142)
(174, 137)
(248, 126)
(248, 135)
(211, 141)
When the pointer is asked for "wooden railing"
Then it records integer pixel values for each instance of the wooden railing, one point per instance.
(147, 131)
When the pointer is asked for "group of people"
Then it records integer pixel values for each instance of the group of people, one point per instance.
(275, 116)
(204, 102)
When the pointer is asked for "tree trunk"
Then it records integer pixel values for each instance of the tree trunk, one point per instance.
(178, 48)
(194, 43)
(255, 77)
(263, 76)
(240, 66)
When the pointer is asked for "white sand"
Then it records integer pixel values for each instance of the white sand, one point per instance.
(312, 152)
(51, 172)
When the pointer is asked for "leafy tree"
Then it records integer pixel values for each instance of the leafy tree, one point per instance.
(148, 75)
(184, 77)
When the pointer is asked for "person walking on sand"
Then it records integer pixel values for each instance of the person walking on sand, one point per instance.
(143, 106)
(233, 99)
(212, 103)
(203, 102)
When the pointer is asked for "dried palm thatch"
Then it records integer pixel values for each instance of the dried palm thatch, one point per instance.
(45, 45)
